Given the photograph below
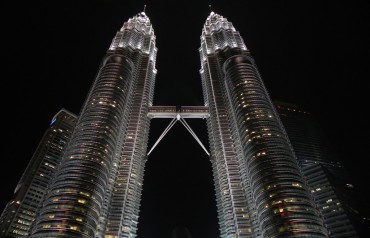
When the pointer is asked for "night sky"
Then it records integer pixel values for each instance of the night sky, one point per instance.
(312, 54)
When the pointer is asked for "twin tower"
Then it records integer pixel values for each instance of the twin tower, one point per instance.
(97, 186)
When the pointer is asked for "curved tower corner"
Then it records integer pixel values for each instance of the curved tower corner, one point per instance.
(260, 190)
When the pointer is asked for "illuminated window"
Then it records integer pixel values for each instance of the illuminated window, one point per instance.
(75, 228)
(82, 201)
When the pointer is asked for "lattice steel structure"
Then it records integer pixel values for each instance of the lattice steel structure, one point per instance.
(260, 190)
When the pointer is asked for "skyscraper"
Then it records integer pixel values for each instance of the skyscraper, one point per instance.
(97, 189)
(326, 176)
(20, 212)
(259, 188)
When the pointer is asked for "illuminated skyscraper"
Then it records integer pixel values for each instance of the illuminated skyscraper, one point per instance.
(21, 211)
(260, 190)
(97, 189)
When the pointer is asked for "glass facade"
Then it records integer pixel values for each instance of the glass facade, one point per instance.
(325, 175)
(20, 213)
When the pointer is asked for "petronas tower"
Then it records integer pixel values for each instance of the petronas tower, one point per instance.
(259, 188)
(97, 188)
(97, 184)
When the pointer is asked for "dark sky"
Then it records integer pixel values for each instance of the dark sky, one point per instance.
(312, 54)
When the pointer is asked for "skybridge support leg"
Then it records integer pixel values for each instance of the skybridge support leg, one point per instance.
(186, 125)
(168, 128)
(163, 134)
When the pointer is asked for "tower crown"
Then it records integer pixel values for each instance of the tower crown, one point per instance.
(141, 22)
(136, 33)
(216, 22)
(217, 34)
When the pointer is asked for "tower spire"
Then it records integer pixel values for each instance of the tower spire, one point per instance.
(144, 8)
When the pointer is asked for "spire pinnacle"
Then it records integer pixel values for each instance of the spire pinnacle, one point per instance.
(144, 8)
(210, 8)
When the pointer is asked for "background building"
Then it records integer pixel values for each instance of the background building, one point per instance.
(334, 192)
(21, 211)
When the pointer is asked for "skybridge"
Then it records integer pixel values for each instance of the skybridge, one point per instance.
(183, 111)
(178, 113)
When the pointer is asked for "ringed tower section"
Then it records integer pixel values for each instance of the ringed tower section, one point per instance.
(98, 184)
(260, 189)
